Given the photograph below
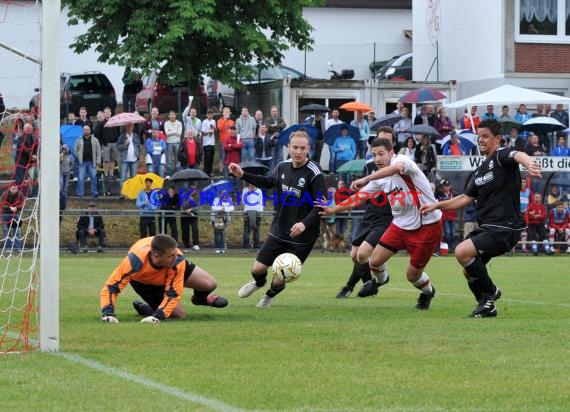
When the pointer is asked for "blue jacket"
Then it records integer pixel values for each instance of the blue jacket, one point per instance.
(144, 208)
(348, 146)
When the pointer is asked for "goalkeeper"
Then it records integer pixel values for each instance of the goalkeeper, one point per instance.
(158, 272)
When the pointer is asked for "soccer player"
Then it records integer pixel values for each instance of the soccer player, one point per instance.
(406, 188)
(377, 217)
(298, 182)
(158, 272)
(496, 187)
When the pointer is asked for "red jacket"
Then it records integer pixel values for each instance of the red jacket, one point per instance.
(535, 214)
(449, 215)
(233, 150)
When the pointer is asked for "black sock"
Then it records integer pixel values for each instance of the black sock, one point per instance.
(366, 275)
(355, 276)
(275, 290)
(201, 297)
(475, 289)
(260, 280)
(477, 271)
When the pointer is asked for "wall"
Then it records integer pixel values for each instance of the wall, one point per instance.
(345, 37)
(470, 40)
(19, 29)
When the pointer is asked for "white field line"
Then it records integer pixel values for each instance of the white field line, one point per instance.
(456, 295)
(141, 380)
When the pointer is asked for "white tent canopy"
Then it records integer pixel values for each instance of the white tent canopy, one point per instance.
(508, 94)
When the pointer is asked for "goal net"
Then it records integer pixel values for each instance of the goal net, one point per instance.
(19, 176)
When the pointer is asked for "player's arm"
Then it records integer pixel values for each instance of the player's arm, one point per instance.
(318, 189)
(114, 285)
(173, 288)
(454, 203)
(264, 182)
(397, 168)
(524, 159)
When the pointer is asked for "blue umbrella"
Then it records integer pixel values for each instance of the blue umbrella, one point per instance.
(69, 134)
(286, 133)
(335, 131)
(220, 186)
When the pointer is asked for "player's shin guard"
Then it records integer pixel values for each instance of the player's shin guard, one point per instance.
(478, 273)
(379, 272)
(274, 290)
(260, 279)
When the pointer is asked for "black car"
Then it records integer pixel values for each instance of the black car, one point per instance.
(399, 68)
(91, 90)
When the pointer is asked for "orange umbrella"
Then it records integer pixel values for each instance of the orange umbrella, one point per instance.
(357, 107)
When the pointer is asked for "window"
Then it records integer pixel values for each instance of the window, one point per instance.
(542, 21)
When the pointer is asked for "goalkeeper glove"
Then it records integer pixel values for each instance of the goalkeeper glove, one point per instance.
(109, 318)
(150, 319)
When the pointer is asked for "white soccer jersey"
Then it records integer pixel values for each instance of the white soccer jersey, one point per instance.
(399, 188)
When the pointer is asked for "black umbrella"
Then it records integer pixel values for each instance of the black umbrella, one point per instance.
(254, 167)
(314, 108)
(388, 120)
(423, 129)
(189, 174)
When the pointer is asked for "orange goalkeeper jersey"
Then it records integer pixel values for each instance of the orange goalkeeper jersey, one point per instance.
(136, 266)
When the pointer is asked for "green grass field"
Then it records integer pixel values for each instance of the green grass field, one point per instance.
(310, 351)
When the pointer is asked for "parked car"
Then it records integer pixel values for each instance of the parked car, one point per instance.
(221, 95)
(158, 93)
(91, 90)
(398, 68)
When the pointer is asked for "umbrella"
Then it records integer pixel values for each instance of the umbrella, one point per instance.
(254, 167)
(542, 125)
(133, 186)
(69, 134)
(335, 131)
(357, 107)
(424, 94)
(220, 186)
(189, 174)
(466, 143)
(353, 167)
(312, 131)
(508, 124)
(423, 129)
(314, 108)
(122, 119)
(388, 120)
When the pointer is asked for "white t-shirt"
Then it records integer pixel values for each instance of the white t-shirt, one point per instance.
(208, 127)
(332, 122)
(252, 200)
(405, 210)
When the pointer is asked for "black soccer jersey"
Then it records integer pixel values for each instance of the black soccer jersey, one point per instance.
(496, 185)
(295, 191)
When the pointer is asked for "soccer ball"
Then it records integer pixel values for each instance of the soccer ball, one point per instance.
(287, 267)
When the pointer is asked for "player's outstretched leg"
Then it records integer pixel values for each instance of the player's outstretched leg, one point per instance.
(259, 274)
(203, 284)
(276, 288)
(423, 283)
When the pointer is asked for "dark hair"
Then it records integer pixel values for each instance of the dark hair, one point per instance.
(408, 139)
(494, 126)
(382, 142)
(160, 243)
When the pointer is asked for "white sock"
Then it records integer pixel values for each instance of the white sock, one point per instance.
(424, 284)
(379, 272)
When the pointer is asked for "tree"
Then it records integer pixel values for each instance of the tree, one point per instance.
(189, 38)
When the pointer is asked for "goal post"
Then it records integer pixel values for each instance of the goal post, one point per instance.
(49, 176)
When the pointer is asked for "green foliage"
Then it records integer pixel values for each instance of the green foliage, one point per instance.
(309, 351)
(192, 38)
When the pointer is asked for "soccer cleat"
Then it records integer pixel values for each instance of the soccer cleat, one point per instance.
(265, 302)
(247, 289)
(142, 308)
(486, 307)
(497, 294)
(196, 248)
(214, 301)
(370, 288)
(345, 292)
(424, 300)
(489, 313)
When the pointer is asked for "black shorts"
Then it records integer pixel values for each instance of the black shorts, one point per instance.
(537, 233)
(273, 247)
(153, 294)
(493, 241)
(369, 235)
